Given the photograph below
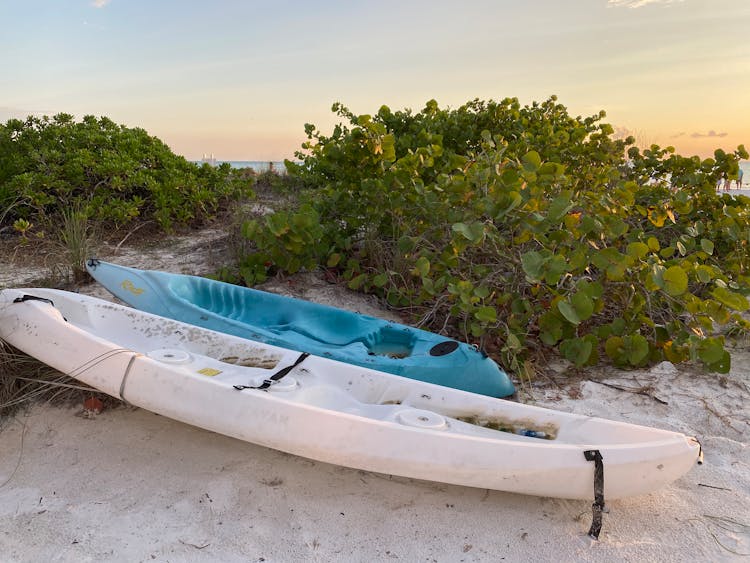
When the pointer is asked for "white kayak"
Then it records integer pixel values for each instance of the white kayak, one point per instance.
(335, 412)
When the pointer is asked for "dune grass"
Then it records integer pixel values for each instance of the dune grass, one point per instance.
(25, 380)
(76, 241)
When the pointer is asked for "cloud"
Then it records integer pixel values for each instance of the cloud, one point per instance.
(639, 3)
(711, 133)
(100, 3)
(622, 132)
(678, 135)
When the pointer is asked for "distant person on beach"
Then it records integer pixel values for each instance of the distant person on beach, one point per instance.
(739, 179)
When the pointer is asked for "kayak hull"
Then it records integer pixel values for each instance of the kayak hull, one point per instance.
(335, 412)
(306, 327)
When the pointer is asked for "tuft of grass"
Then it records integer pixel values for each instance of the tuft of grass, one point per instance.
(24, 380)
(77, 241)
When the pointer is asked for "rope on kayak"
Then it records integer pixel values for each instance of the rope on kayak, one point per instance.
(598, 507)
(275, 377)
(95, 361)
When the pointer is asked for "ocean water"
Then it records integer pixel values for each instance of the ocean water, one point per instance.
(257, 165)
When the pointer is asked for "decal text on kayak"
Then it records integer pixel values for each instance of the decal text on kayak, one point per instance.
(128, 285)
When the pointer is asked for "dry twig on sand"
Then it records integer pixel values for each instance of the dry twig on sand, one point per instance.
(646, 390)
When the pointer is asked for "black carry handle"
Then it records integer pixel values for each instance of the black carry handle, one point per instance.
(32, 298)
(276, 376)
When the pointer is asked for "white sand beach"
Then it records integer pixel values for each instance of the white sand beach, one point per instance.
(129, 485)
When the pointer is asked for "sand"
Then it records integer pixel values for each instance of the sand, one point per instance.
(129, 485)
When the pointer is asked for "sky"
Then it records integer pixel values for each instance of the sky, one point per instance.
(240, 79)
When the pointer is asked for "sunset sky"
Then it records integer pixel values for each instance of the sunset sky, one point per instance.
(241, 78)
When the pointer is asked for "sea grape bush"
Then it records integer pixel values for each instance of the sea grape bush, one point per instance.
(113, 173)
(524, 229)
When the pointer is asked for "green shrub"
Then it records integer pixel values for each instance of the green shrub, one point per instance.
(526, 229)
(113, 173)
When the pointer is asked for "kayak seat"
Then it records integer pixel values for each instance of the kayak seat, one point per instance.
(275, 315)
(345, 331)
(391, 341)
(385, 340)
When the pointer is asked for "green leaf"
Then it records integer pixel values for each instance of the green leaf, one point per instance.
(473, 232)
(655, 278)
(631, 349)
(675, 281)
(380, 280)
(613, 347)
(637, 250)
(577, 350)
(578, 309)
(512, 342)
(559, 207)
(707, 246)
(533, 264)
(551, 328)
(615, 227)
(705, 273)
(589, 224)
(531, 161)
(406, 244)
(637, 349)
(730, 299)
(723, 365)
(486, 314)
(579, 259)
(482, 291)
(511, 200)
(593, 289)
(583, 305)
(278, 224)
(618, 326)
(357, 282)
(388, 147)
(568, 311)
(422, 267)
(711, 350)
(249, 229)
(333, 260)
(556, 267)
(667, 252)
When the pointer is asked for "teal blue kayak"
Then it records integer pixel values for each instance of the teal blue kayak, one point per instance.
(306, 327)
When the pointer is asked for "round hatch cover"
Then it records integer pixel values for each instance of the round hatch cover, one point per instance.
(443, 348)
(170, 356)
(421, 419)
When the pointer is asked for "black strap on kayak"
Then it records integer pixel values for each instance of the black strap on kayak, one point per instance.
(598, 507)
(32, 298)
(276, 376)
